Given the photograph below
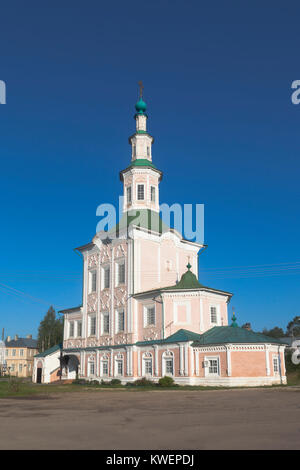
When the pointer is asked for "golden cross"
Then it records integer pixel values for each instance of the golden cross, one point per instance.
(140, 83)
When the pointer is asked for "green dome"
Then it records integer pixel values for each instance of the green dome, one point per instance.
(141, 106)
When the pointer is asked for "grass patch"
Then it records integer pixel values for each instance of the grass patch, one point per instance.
(19, 388)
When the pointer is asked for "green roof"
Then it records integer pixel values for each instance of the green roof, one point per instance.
(144, 218)
(188, 281)
(142, 162)
(49, 351)
(233, 334)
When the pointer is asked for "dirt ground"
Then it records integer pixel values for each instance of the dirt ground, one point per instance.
(117, 419)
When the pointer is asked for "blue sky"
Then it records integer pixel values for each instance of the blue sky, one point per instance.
(217, 79)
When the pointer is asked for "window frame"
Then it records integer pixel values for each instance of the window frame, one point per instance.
(216, 307)
(146, 308)
(103, 315)
(137, 191)
(120, 262)
(129, 200)
(153, 199)
(79, 322)
(71, 328)
(90, 319)
(106, 268)
(93, 276)
(212, 374)
(117, 329)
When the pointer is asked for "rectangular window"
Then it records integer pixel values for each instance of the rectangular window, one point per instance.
(106, 277)
(129, 200)
(152, 193)
(93, 281)
(121, 321)
(213, 315)
(213, 367)
(71, 329)
(92, 368)
(105, 323)
(148, 151)
(105, 368)
(29, 367)
(79, 328)
(134, 150)
(92, 326)
(140, 192)
(21, 352)
(120, 367)
(12, 367)
(20, 367)
(275, 365)
(150, 316)
(13, 352)
(7, 352)
(148, 366)
(121, 273)
(169, 366)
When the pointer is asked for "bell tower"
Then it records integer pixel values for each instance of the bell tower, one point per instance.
(141, 179)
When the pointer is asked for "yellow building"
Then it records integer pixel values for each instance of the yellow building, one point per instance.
(19, 353)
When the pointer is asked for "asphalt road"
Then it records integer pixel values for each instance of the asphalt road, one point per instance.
(115, 419)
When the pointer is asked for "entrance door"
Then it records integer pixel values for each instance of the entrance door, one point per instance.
(39, 375)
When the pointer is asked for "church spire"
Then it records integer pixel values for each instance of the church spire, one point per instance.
(140, 115)
(141, 178)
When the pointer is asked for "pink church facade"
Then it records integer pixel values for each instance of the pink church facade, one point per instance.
(144, 312)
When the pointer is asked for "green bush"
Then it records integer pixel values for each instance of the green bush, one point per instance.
(143, 382)
(115, 382)
(166, 382)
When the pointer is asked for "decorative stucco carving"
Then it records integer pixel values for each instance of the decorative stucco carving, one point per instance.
(151, 335)
(120, 296)
(105, 300)
(92, 302)
(93, 260)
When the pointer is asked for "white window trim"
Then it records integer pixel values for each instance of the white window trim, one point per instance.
(217, 307)
(117, 321)
(104, 267)
(119, 359)
(148, 358)
(119, 262)
(186, 304)
(70, 323)
(154, 187)
(101, 367)
(103, 314)
(145, 308)
(91, 272)
(89, 324)
(89, 368)
(206, 369)
(137, 194)
(127, 200)
(77, 335)
(275, 357)
(164, 358)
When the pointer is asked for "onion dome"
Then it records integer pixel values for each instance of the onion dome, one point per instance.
(140, 106)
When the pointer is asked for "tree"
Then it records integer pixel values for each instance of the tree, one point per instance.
(275, 332)
(50, 331)
(293, 327)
